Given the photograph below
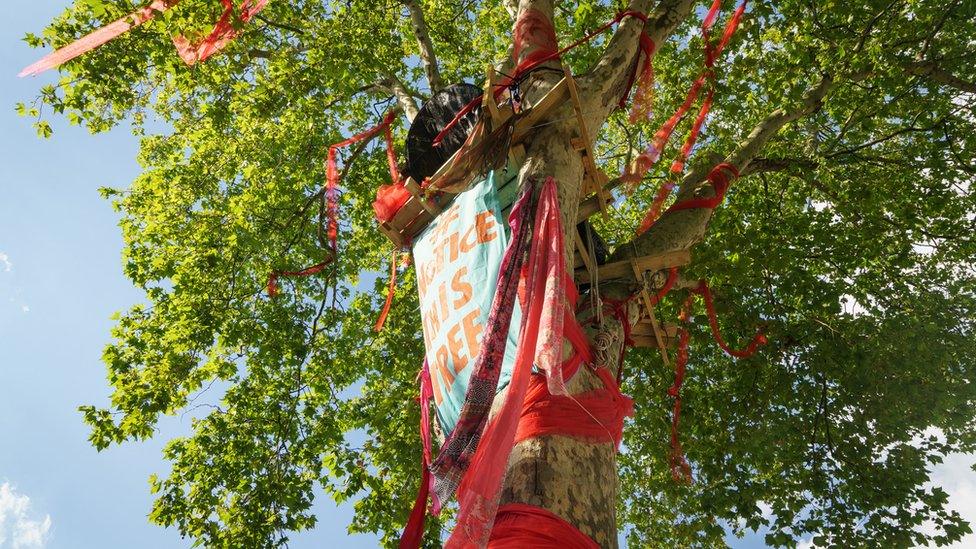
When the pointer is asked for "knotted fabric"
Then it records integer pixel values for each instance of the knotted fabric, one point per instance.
(521, 526)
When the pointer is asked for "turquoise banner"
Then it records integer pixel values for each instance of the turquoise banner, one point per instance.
(458, 257)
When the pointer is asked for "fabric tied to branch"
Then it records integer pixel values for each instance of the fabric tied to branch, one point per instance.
(332, 171)
(390, 292)
(222, 34)
(413, 533)
(331, 191)
(594, 416)
(98, 37)
(680, 469)
(655, 149)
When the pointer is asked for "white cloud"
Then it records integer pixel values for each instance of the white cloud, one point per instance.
(956, 477)
(806, 544)
(5, 263)
(25, 308)
(18, 529)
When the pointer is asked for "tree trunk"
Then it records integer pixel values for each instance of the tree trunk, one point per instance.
(573, 479)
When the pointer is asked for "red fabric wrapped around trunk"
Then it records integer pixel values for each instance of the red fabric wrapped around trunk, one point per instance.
(521, 526)
(596, 416)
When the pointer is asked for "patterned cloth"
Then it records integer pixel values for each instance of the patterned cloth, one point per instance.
(456, 453)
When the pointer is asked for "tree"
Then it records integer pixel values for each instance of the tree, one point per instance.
(848, 235)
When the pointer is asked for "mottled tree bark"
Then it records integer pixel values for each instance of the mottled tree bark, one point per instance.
(573, 479)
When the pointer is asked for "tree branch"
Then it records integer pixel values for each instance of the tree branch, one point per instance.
(427, 55)
(394, 85)
(681, 229)
(604, 84)
(766, 165)
(932, 71)
(511, 6)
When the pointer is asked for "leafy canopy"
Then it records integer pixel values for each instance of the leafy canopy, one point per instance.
(851, 239)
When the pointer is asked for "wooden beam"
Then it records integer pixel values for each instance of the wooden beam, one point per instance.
(644, 328)
(623, 269)
(649, 309)
(528, 118)
(584, 253)
(392, 234)
(648, 342)
(488, 103)
(591, 183)
(591, 205)
(418, 195)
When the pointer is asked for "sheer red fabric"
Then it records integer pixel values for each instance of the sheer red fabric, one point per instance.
(595, 416)
(478, 492)
(389, 200)
(644, 79)
(680, 469)
(98, 37)
(521, 526)
(390, 293)
(413, 533)
(332, 194)
(221, 35)
(655, 149)
(332, 170)
(191, 53)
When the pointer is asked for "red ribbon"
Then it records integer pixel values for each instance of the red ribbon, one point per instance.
(649, 157)
(332, 171)
(413, 533)
(332, 195)
(720, 178)
(678, 463)
(222, 34)
(746, 352)
(390, 292)
(98, 38)
(644, 97)
(532, 61)
(680, 469)
(272, 285)
(678, 165)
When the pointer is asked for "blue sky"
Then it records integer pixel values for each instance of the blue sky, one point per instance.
(60, 281)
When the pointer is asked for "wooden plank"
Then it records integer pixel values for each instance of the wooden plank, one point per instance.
(392, 234)
(528, 118)
(644, 328)
(585, 255)
(623, 269)
(418, 195)
(410, 209)
(591, 205)
(488, 103)
(516, 155)
(649, 309)
(648, 342)
(589, 164)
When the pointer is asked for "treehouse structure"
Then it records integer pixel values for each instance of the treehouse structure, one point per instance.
(425, 203)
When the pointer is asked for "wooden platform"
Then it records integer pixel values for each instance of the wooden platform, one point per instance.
(424, 205)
